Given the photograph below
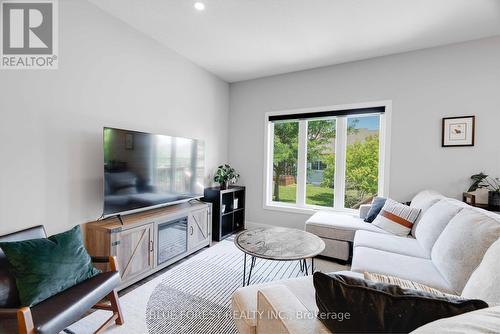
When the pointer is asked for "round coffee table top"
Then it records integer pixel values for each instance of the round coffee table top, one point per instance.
(279, 243)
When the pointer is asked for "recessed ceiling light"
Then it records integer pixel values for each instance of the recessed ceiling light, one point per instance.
(199, 6)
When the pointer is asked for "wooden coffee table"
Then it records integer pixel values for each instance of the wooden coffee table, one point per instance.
(278, 244)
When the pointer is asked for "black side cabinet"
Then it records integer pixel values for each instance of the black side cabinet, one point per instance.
(228, 210)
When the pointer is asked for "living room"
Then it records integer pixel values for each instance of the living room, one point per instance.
(328, 114)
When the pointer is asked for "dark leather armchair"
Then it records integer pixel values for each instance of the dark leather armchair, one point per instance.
(58, 312)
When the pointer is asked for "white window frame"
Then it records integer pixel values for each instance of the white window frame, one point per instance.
(340, 143)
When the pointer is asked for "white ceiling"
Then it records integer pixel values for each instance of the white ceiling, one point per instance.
(245, 39)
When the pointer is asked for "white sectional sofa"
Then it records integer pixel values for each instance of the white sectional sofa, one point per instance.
(446, 251)
(338, 230)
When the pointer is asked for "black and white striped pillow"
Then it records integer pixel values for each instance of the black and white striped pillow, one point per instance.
(396, 218)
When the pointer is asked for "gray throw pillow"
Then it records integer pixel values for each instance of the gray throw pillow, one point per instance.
(377, 205)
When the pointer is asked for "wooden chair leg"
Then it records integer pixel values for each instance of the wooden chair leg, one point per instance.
(25, 321)
(115, 306)
(105, 325)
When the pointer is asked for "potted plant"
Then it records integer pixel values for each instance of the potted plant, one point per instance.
(226, 175)
(483, 181)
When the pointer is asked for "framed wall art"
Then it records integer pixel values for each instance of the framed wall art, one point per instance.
(458, 131)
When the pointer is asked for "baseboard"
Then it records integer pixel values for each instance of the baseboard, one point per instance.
(251, 224)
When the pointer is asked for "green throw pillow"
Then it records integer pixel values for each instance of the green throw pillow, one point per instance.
(45, 267)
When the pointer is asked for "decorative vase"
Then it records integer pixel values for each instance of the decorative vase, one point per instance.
(494, 200)
(224, 185)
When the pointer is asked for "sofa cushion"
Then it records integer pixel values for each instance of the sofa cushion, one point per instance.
(484, 282)
(423, 201)
(293, 317)
(338, 226)
(381, 308)
(244, 300)
(476, 322)
(337, 249)
(434, 220)
(390, 243)
(407, 267)
(462, 245)
(396, 218)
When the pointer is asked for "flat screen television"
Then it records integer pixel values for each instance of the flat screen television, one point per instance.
(143, 170)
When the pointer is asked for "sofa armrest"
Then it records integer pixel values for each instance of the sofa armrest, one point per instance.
(279, 311)
(363, 210)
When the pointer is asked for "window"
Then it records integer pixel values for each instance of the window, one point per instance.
(361, 160)
(320, 155)
(285, 145)
(326, 159)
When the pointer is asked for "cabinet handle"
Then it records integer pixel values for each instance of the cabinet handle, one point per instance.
(151, 246)
(192, 230)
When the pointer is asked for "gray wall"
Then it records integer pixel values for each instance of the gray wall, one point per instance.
(424, 86)
(109, 75)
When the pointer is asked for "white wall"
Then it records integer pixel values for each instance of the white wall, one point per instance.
(424, 86)
(109, 75)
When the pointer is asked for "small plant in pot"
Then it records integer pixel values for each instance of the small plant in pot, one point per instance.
(483, 181)
(226, 175)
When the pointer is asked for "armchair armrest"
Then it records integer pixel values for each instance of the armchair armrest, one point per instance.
(111, 260)
(363, 210)
(24, 319)
(281, 312)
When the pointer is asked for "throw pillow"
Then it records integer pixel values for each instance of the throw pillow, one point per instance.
(406, 284)
(377, 204)
(423, 201)
(380, 308)
(434, 221)
(396, 218)
(45, 267)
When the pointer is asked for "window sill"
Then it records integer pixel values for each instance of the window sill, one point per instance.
(306, 210)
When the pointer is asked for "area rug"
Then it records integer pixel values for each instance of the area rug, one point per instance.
(194, 296)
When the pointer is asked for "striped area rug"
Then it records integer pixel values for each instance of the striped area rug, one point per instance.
(194, 296)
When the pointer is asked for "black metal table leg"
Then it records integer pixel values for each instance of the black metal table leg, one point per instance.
(250, 272)
(244, 267)
(246, 281)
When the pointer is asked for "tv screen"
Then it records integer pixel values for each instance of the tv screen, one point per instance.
(143, 170)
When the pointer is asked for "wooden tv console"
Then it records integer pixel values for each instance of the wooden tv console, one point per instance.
(136, 242)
